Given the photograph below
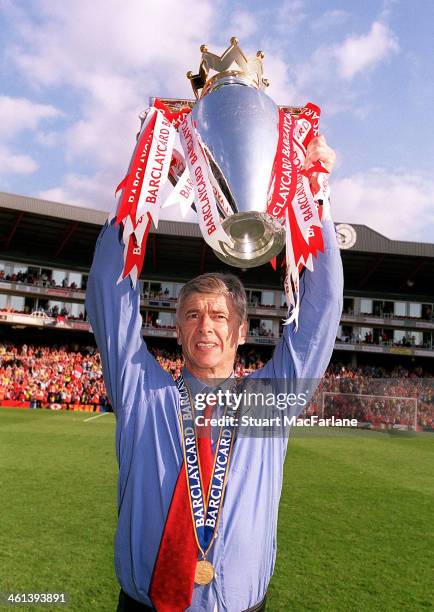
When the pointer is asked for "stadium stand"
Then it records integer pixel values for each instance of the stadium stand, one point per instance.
(47, 353)
(43, 376)
(70, 378)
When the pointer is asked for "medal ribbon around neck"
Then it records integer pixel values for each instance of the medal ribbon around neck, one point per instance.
(205, 513)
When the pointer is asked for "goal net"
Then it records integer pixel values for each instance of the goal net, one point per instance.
(370, 410)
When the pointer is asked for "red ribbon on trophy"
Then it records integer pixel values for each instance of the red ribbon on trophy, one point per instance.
(290, 198)
(144, 184)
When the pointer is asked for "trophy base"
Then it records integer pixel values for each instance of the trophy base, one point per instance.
(257, 238)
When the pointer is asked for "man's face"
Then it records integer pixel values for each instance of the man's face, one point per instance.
(209, 331)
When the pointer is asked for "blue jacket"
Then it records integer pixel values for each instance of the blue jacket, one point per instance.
(148, 440)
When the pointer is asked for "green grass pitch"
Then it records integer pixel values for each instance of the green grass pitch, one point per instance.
(355, 520)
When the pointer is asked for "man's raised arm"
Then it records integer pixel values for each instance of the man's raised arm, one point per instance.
(305, 353)
(114, 313)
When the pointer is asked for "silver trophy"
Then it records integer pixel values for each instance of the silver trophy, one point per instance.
(238, 125)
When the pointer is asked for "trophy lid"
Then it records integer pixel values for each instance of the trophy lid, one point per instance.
(248, 71)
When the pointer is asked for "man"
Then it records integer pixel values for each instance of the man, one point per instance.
(155, 550)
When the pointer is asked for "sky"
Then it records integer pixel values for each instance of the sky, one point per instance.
(75, 76)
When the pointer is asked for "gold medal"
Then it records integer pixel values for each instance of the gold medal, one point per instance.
(204, 572)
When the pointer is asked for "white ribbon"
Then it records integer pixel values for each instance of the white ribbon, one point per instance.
(292, 296)
(182, 194)
(220, 196)
(304, 206)
(206, 207)
(128, 227)
(157, 168)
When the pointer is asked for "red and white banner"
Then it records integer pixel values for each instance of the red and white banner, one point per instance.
(177, 165)
(223, 205)
(77, 372)
(291, 200)
(182, 195)
(134, 252)
(206, 207)
(175, 117)
(157, 168)
(132, 184)
(292, 278)
(283, 187)
(145, 186)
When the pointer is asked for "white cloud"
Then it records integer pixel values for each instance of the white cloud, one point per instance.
(71, 43)
(329, 19)
(19, 114)
(337, 15)
(111, 66)
(326, 75)
(57, 194)
(359, 53)
(98, 192)
(12, 163)
(289, 16)
(400, 206)
(243, 24)
(282, 89)
(95, 191)
(49, 139)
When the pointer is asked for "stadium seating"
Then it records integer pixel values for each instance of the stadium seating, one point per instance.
(70, 378)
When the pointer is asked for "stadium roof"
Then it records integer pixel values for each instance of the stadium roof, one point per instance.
(53, 233)
(368, 240)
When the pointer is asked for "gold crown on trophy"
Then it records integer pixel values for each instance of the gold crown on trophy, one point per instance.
(249, 70)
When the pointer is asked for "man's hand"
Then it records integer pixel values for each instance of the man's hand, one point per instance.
(318, 150)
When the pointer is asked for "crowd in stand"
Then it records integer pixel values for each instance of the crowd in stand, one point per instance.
(47, 376)
(60, 314)
(384, 337)
(42, 280)
(376, 395)
(387, 312)
(38, 279)
(258, 328)
(261, 330)
(158, 294)
(71, 376)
